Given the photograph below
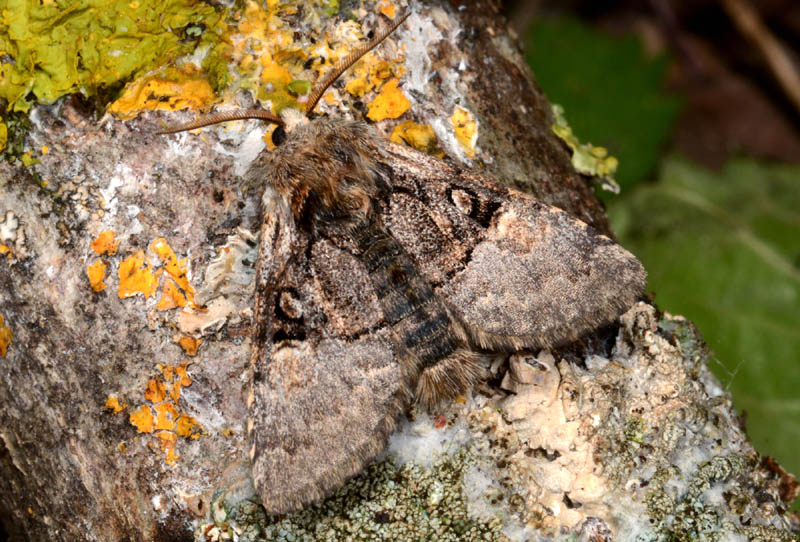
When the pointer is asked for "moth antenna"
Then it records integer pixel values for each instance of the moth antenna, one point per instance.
(349, 60)
(225, 116)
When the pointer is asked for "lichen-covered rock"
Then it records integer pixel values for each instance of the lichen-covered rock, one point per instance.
(125, 312)
(636, 444)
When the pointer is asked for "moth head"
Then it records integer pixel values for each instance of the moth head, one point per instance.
(292, 118)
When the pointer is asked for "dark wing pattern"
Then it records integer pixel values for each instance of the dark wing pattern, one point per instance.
(518, 273)
(327, 388)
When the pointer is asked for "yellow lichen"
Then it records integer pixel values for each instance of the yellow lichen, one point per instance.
(369, 72)
(136, 276)
(389, 104)
(177, 269)
(466, 129)
(112, 404)
(171, 297)
(6, 250)
(419, 136)
(189, 344)
(142, 419)
(156, 390)
(188, 427)
(5, 337)
(105, 244)
(273, 72)
(166, 414)
(189, 91)
(97, 274)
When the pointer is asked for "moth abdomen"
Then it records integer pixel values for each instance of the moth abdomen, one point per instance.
(431, 341)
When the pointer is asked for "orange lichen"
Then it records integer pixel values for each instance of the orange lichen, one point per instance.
(389, 104)
(5, 337)
(191, 91)
(181, 373)
(163, 416)
(466, 129)
(171, 297)
(188, 427)
(142, 419)
(97, 274)
(181, 380)
(177, 269)
(112, 404)
(105, 244)
(156, 390)
(268, 136)
(166, 414)
(136, 276)
(6, 250)
(189, 344)
(388, 9)
(166, 372)
(168, 440)
(419, 136)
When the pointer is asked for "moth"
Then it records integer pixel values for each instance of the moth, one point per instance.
(384, 276)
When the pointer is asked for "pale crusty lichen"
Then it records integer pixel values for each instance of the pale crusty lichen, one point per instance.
(389, 502)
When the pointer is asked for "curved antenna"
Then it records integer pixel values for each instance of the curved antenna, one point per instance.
(224, 116)
(348, 61)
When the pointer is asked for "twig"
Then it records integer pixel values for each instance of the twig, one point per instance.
(749, 23)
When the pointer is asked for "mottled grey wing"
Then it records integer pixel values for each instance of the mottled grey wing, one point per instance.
(326, 387)
(519, 273)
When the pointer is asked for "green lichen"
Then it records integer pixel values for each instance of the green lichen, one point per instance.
(299, 87)
(635, 431)
(691, 517)
(388, 502)
(62, 47)
(586, 158)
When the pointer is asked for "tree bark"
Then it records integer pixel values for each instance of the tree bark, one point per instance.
(595, 440)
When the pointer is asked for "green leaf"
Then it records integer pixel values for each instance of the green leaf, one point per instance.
(723, 249)
(609, 89)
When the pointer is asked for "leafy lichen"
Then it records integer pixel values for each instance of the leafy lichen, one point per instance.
(67, 46)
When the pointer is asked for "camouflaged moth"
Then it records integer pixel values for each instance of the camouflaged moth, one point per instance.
(384, 275)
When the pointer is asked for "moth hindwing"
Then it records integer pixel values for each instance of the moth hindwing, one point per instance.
(381, 272)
